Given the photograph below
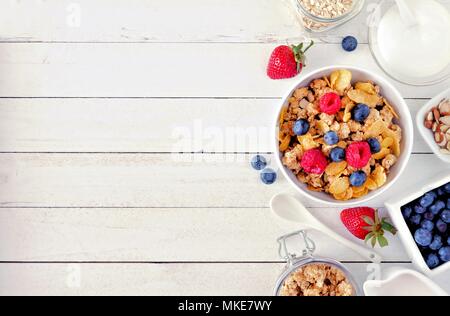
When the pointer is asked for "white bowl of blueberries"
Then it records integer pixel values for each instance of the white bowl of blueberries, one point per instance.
(423, 221)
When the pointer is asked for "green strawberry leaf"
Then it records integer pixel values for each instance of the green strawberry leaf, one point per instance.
(388, 227)
(369, 236)
(368, 220)
(374, 242)
(382, 241)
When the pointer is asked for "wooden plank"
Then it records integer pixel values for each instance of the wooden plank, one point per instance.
(143, 125)
(156, 70)
(154, 21)
(224, 279)
(153, 180)
(163, 235)
(246, 279)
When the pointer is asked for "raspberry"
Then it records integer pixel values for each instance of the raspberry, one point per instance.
(358, 154)
(330, 103)
(313, 161)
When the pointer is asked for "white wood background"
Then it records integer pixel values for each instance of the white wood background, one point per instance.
(90, 116)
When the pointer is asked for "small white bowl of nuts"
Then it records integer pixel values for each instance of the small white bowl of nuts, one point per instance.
(433, 122)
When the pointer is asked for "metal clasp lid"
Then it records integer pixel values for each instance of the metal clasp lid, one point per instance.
(283, 251)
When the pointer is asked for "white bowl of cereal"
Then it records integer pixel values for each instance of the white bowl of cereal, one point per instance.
(344, 135)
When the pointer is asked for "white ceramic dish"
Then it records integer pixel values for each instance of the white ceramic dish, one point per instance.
(403, 282)
(425, 132)
(391, 94)
(394, 208)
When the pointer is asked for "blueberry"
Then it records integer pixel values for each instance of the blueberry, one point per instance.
(432, 261)
(445, 216)
(337, 154)
(416, 219)
(423, 237)
(448, 241)
(448, 203)
(437, 243)
(440, 191)
(358, 178)
(444, 254)
(268, 176)
(419, 209)
(429, 216)
(374, 144)
(360, 112)
(437, 207)
(441, 226)
(349, 43)
(407, 211)
(428, 199)
(258, 162)
(301, 127)
(331, 138)
(447, 187)
(428, 225)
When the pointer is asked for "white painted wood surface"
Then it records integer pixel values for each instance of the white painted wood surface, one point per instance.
(228, 279)
(90, 116)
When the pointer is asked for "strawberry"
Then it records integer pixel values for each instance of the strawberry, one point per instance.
(287, 62)
(364, 223)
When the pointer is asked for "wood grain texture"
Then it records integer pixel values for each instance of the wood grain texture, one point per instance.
(155, 70)
(153, 180)
(164, 235)
(144, 125)
(89, 114)
(158, 21)
(222, 279)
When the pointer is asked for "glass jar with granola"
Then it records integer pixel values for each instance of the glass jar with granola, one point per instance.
(312, 276)
(323, 15)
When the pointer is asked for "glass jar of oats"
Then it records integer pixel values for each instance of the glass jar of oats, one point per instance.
(312, 276)
(323, 15)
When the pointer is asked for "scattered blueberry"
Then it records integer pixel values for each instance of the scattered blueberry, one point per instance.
(416, 219)
(437, 207)
(429, 216)
(407, 211)
(258, 162)
(360, 112)
(448, 241)
(441, 226)
(301, 127)
(423, 237)
(419, 209)
(358, 178)
(444, 254)
(349, 43)
(432, 261)
(374, 144)
(428, 225)
(337, 154)
(268, 176)
(445, 216)
(428, 199)
(448, 203)
(437, 243)
(331, 138)
(440, 191)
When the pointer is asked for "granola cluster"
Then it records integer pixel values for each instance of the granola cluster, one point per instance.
(364, 126)
(317, 280)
